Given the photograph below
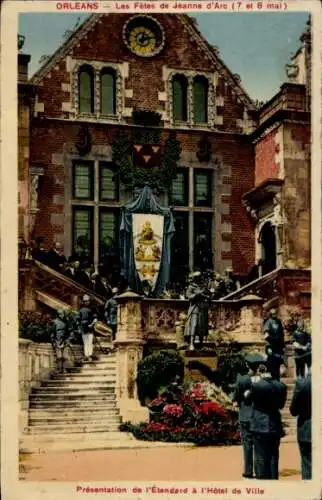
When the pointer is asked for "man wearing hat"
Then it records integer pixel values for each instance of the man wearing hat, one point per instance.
(60, 337)
(110, 312)
(242, 387)
(268, 397)
(302, 346)
(85, 320)
(197, 320)
(274, 336)
(301, 407)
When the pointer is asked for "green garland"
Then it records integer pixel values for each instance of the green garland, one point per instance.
(160, 177)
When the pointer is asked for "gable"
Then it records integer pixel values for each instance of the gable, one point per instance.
(100, 38)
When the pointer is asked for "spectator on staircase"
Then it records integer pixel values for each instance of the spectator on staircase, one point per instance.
(85, 320)
(56, 258)
(274, 336)
(301, 407)
(39, 252)
(60, 338)
(110, 313)
(301, 345)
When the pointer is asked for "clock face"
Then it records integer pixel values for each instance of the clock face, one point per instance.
(144, 36)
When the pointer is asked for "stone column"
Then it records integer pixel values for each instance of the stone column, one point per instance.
(251, 319)
(129, 351)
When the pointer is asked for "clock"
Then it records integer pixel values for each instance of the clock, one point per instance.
(143, 36)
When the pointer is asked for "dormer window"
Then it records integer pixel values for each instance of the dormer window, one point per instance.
(180, 98)
(200, 99)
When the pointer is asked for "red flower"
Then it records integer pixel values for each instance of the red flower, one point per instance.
(211, 408)
(173, 410)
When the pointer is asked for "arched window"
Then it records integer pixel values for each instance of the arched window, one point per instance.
(108, 91)
(179, 95)
(200, 99)
(86, 89)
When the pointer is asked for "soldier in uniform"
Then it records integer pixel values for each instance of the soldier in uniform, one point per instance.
(300, 407)
(274, 336)
(301, 345)
(85, 320)
(268, 397)
(243, 384)
(110, 312)
(60, 337)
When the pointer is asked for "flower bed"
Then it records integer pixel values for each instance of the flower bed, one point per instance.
(198, 413)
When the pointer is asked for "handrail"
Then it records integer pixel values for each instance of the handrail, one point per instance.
(262, 280)
(69, 282)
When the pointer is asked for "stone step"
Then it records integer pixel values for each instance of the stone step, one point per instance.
(77, 412)
(92, 373)
(72, 392)
(73, 398)
(72, 428)
(84, 420)
(77, 405)
(79, 384)
(82, 378)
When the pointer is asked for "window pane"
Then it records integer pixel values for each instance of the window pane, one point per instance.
(200, 100)
(109, 248)
(203, 241)
(83, 181)
(86, 91)
(108, 104)
(108, 184)
(179, 190)
(180, 250)
(179, 89)
(83, 232)
(203, 189)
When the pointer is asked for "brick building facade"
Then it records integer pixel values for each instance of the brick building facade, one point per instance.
(242, 187)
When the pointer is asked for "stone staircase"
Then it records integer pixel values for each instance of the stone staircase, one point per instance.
(80, 401)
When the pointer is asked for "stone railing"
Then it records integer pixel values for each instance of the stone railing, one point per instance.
(143, 321)
(36, 363)
(242, 318)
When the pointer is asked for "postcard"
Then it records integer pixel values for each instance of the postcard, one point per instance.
(161, 249)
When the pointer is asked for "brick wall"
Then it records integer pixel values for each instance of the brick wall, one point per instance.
(266, 150)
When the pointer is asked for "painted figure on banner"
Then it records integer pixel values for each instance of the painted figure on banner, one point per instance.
(148, 241)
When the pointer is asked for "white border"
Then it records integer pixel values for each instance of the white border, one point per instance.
(12, 489)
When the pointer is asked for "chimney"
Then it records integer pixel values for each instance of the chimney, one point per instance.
(23, 61)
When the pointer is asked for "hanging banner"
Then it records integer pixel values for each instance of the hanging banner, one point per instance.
(148, 244)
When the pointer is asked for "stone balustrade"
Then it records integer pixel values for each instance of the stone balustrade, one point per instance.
(36, 363)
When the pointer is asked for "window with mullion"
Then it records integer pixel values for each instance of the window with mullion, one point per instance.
(203, 188)
(83, 180)
(109, 185)
(179, 189)
(83, 231)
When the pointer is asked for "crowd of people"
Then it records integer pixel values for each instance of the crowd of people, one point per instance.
(66, 327)
(261, 395)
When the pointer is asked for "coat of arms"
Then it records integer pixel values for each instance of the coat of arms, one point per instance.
(148, 241)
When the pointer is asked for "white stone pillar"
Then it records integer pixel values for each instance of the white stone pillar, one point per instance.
(129, 345)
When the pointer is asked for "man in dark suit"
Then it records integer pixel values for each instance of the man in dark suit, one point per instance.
(301, 407)
(244, 384)
(268, 397)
